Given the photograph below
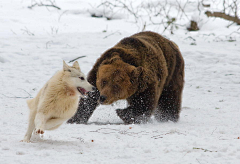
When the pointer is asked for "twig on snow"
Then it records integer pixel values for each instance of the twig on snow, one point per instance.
(76, 59)
(46, 5)
(27, 31)
(18, 97)
(214, 131)
(205, 150)
(48, 44)
(60, 16)
(112, 34)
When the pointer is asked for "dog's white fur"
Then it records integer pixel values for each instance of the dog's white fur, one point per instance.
(57, 101)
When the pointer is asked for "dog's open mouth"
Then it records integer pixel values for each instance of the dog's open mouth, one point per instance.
(82, 90)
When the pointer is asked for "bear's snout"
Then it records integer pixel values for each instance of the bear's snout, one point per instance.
(94, 88)
(102, 98)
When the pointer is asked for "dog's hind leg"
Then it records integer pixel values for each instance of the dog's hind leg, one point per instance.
(31, 126)
(54, 123)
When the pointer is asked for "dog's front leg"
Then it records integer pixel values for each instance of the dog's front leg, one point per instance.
(40, 121)
(31, 126)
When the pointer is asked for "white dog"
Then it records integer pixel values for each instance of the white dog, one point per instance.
(57, 101)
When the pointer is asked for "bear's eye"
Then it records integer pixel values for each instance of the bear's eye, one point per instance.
(104, 83)
(132, 81)
(82, 78)
(116, 88)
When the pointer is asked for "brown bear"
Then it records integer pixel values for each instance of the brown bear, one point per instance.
(147, 70)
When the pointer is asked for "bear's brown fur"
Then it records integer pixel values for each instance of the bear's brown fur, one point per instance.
(147, 70)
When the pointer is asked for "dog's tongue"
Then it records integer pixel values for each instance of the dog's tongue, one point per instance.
(82, 91)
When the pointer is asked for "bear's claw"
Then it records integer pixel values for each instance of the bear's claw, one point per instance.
(125, 116)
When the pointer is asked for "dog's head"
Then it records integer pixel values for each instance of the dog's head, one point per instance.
(74, 78)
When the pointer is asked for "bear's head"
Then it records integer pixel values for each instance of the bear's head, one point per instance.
(117, 80)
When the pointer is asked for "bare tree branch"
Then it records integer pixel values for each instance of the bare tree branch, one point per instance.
(224, 16)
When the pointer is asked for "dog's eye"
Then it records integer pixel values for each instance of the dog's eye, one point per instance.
(82, 78)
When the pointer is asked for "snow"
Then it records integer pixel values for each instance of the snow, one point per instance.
(33, 43)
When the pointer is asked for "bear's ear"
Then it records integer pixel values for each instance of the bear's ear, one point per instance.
(112, 60)
(76, 65)
(137, 72)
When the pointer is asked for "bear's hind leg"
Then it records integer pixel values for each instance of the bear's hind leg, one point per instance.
(169, 105)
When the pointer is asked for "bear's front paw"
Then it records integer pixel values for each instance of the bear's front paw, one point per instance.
(39, 131)
(71, 121)
(125, 115)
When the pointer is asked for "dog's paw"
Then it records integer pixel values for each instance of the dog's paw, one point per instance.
(25, 140)
(39, 131)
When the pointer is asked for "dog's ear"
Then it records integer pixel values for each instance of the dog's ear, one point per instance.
(65, 66)
(76, 65)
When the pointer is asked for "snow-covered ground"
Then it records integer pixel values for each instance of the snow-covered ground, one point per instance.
(33, 44)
